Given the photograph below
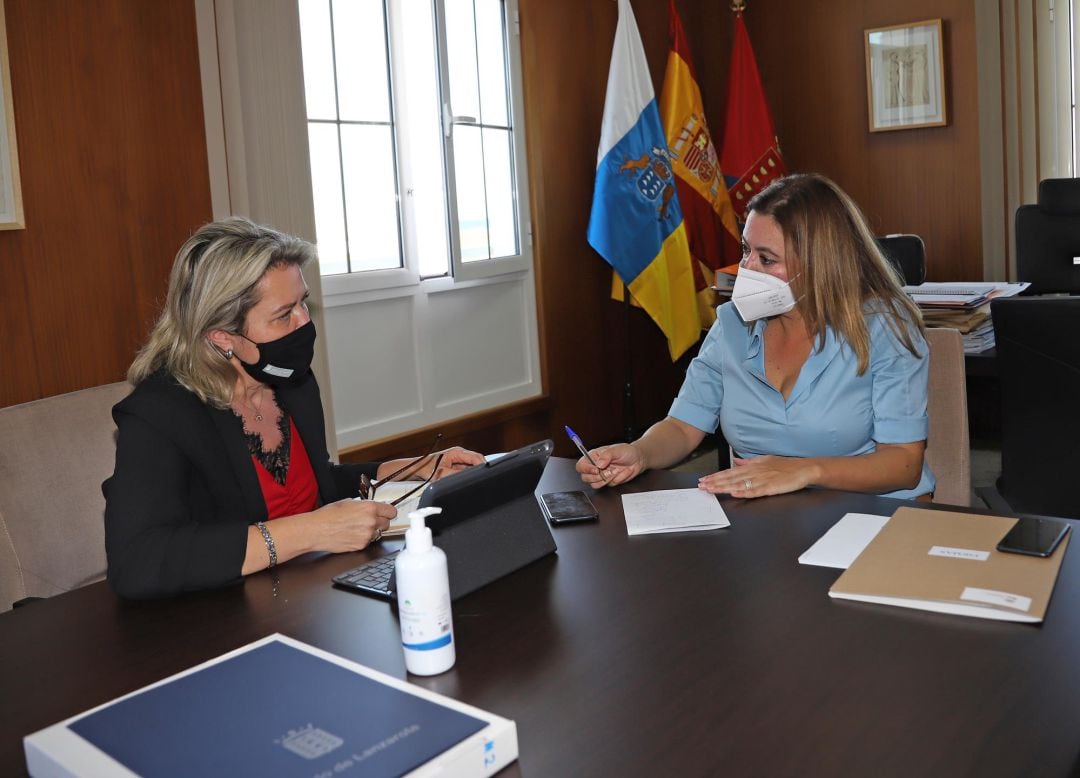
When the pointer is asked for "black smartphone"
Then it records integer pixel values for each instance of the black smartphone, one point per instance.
(1037, 537)
(566, 507)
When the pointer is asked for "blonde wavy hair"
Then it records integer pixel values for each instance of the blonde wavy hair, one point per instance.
(213, 285)
(838, 271)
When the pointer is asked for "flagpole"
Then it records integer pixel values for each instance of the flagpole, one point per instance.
(628, 383)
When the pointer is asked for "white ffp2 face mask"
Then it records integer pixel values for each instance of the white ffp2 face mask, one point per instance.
(757, 295)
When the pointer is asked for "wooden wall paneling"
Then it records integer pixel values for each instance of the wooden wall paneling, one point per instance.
(18, 376)
(108, 110)
(926, 181)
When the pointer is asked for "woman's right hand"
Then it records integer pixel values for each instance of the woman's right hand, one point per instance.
(350, 525)
(615, 464)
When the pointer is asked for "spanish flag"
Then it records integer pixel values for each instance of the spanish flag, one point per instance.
(636, 223)
(711, 227)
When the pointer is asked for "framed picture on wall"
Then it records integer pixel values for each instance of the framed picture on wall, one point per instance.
(11, 213)
(905, 76)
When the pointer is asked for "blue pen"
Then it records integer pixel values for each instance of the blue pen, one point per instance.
(584, 451)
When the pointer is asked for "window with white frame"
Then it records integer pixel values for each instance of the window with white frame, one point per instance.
(415, 156)
(1054, 70)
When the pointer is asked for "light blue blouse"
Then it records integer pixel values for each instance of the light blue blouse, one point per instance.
(831, 411)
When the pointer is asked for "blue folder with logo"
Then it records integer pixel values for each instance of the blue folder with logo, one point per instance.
(279, 708)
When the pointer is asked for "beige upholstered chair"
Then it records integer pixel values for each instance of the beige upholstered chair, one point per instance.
(55, 454)
(948, 448)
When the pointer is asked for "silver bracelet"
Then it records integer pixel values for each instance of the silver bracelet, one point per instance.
(269, 539)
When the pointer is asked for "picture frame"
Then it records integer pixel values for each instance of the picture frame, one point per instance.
(905, 76)
(11, 210)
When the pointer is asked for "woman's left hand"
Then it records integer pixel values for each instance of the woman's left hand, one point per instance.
(455, 459)
(760, 476)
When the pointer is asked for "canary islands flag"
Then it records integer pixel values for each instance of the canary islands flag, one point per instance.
(636, 223)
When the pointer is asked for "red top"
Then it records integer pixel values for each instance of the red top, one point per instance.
(300, 492)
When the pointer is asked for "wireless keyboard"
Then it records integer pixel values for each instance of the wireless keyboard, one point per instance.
(375, 577)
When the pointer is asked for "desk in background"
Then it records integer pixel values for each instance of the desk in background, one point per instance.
(686, 654)
(984, 397)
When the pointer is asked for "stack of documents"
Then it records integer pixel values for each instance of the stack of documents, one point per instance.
(672, 510)
(949, 563)
(962, 306)
(966, 320)
(980, 339)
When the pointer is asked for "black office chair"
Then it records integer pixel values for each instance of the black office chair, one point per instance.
(908, 255)
(1038, 355)
(1048, 239)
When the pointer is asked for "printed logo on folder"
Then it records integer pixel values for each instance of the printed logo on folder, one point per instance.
(275, 711)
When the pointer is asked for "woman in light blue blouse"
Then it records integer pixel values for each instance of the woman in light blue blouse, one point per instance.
(816, 371)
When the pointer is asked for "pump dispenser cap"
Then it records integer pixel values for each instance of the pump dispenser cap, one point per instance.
(418, 536)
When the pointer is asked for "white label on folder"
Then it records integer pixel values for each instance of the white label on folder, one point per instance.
(959, 553)
(990, 597)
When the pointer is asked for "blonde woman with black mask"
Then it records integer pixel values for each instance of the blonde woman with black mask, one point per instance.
(816, 371)
(221, 462)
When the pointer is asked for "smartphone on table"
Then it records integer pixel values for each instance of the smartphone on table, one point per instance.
(567, 507)
(1037, 537)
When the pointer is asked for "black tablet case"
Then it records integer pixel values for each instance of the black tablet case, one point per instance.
(491, 523)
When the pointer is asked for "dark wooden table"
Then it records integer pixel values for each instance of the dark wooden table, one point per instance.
(982, 364)
(687, 654)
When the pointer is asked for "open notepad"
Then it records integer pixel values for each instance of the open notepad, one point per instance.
(391, 491)
(672, 510)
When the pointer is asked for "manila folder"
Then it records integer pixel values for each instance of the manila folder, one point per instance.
(949, 562)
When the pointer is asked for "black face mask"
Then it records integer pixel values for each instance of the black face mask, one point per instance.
(285, 361)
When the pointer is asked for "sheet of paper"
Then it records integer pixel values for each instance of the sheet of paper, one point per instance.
(844, 541)
(672, 510)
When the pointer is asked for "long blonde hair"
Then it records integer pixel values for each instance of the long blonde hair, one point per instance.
(840, 269)
(213, 286)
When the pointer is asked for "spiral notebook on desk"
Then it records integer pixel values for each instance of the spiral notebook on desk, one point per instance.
(961, 294)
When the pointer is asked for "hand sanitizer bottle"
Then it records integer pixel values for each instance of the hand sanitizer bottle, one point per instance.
(423, 594)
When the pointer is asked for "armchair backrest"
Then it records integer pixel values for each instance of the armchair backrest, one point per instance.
(55, 455)
(908, 254)
(948, 447)
(1048, 238)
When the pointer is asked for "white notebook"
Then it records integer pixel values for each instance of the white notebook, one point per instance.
(844, 541)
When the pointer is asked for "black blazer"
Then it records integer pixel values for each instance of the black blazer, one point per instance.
(185, 490)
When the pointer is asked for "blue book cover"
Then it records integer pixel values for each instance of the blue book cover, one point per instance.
(275, 710)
